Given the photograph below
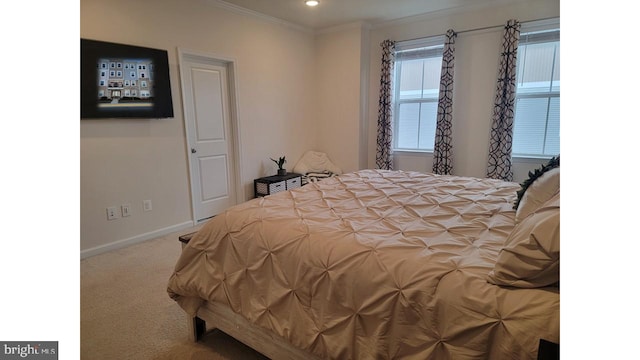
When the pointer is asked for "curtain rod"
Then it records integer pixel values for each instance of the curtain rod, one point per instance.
(480, 29)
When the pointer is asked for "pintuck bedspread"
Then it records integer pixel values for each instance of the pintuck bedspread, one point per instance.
(372, 265)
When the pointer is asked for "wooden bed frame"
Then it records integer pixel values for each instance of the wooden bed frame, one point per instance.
(275, 347)
(224, 319)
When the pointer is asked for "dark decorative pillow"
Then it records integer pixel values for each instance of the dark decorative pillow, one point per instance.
(552, 164)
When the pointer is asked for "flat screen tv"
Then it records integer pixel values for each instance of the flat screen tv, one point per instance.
(123, 81)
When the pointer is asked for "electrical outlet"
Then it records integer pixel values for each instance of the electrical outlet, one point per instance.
(126, 210)
(112, 213)
(146, 205)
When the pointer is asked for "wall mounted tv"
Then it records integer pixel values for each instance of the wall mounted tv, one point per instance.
(123, 81)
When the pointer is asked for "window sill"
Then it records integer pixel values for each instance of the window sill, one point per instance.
(413, 152)
(530, 159)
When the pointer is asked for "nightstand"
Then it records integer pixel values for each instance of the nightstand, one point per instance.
(273, 184)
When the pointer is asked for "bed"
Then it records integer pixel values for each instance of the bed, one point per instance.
(380, 264)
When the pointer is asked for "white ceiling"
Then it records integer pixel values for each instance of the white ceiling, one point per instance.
(332, 13)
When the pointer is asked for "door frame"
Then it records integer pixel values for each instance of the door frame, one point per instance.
(234, 119)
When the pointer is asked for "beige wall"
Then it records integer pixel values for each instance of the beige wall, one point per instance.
(128, 161)
(476, 66)
(340, 117)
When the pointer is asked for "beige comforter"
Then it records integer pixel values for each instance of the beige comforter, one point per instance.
(372, 265)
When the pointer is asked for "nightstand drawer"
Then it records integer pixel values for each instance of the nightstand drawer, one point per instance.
(270, 188)
(277, 183)
(294, 183)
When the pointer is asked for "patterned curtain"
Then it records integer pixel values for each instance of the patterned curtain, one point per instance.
(499, 166)
(384, 155)
(442, 154)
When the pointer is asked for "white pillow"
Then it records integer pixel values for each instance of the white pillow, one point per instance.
(541, 190)
(315, 161)
(530, 257)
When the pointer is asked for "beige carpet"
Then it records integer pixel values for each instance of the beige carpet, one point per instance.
(127, 314)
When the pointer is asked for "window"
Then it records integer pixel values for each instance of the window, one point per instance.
(416, 88)
(536, 130)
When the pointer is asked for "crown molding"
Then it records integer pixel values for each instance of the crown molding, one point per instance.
(258, 15)
(366, 25)
(465, 8)
(354, 25)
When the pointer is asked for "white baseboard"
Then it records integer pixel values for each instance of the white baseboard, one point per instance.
(134, 240)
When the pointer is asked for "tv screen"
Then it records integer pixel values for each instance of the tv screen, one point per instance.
(123, 81)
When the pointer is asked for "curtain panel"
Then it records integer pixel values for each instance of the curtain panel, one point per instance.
(442, 149)
(384, 151)
(499, 165)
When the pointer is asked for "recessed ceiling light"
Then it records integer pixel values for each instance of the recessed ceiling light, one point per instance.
(311, 2)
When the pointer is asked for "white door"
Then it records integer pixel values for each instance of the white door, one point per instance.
(207, 109)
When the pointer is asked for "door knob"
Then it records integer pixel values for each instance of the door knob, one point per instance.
(193, 151)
